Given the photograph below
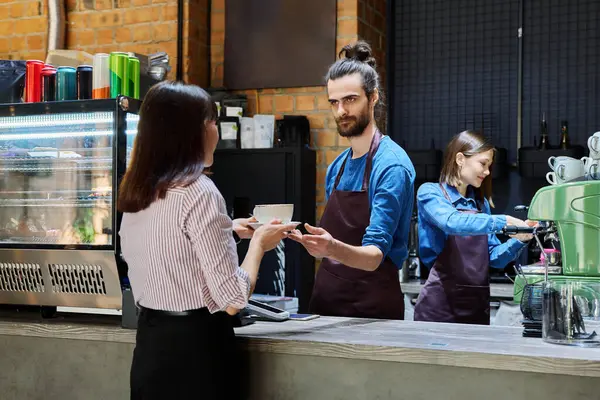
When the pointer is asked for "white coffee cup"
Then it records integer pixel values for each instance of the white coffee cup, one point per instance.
(554, 161)
(265, 213)
(594, 146)
(591, 168)
(567, 169)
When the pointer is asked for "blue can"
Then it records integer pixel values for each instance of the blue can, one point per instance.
(66, 83)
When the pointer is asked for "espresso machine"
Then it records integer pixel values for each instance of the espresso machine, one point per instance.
(569, 232)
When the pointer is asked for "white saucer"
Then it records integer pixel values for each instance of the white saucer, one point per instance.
(256, 225)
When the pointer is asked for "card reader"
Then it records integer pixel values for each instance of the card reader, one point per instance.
(266, 312)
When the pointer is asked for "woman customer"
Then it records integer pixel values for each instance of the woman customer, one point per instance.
(178, 242)
(457, 235)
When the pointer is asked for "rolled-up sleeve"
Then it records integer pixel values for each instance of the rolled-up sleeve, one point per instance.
(393, 188)
(210, 230)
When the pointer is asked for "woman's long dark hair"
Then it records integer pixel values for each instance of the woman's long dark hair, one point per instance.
(169, 147)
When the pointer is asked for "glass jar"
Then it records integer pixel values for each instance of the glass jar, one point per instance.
(571, 312)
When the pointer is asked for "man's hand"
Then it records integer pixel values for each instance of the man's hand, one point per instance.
(241, 227)
(318, 242)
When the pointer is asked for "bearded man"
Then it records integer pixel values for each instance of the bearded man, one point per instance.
(363, 234)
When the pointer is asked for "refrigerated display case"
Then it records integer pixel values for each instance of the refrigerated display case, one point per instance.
(60, 166)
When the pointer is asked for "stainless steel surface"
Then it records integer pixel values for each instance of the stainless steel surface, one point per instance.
(539, 269)
(497, 290)
(412, 266)
(404, 272)
(74, 278)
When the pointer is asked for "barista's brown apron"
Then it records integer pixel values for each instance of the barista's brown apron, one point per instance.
(458, 288)
(350, 292)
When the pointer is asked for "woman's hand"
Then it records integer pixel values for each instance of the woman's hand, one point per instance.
(523, 237)
(242, 228)
(512, 221)
(269, 235)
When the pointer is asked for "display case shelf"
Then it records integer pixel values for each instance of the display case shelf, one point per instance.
(91, 203)
(57, 169)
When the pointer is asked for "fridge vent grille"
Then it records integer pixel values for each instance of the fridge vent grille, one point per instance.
(21, 277)
(77, 279)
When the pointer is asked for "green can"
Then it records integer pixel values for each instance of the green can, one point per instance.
(119, 68)
(66, 83)
(134, 77)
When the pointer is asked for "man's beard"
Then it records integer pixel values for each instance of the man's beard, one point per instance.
(357, 125)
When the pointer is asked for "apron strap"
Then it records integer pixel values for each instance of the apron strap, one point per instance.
(445, 193)
(372, 150)
(448, 197)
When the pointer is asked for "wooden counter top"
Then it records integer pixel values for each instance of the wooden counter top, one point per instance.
(488, 347)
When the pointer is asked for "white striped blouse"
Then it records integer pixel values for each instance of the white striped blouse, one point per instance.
(181, 253)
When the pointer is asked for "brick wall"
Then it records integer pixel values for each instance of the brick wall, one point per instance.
(143, 26)
(147, 26)
(356, 18)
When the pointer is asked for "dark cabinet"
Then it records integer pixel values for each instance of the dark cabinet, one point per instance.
(273, 176)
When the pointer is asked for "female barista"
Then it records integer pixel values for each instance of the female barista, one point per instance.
(457, 238)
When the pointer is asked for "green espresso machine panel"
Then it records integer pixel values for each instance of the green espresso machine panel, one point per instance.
(574, 208)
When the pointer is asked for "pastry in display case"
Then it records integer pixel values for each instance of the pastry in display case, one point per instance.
(60, 166)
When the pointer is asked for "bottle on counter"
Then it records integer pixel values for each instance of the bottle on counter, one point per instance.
(544, 142)
(564, 135)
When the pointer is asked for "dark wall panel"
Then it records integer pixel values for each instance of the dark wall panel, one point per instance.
(561, 68)
(455, 68)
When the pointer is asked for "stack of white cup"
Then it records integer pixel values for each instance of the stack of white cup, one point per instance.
(592, 169)
(565, 169)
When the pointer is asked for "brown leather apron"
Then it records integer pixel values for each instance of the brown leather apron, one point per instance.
(344, 291)
(458, 288)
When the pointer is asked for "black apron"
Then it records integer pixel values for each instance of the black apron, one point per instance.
(344, 291)
(458, 288)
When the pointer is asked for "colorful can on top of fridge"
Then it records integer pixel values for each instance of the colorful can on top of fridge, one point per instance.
(66, 83)
(49, 84)
(84, 82)
(101, 76)
(134, 77)
(119, 68)
(33, 81)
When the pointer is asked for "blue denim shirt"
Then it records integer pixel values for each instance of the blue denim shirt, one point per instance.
(391, 193)
(439, 218)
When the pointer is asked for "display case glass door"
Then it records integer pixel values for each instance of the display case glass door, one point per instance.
(56, 175)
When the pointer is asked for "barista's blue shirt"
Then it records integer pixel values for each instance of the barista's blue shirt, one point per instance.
(391, 193)
(439, 218)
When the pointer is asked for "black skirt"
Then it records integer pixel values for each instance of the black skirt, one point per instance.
(185, 357)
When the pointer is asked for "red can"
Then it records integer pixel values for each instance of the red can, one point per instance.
(49, 84)
(33, 81)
